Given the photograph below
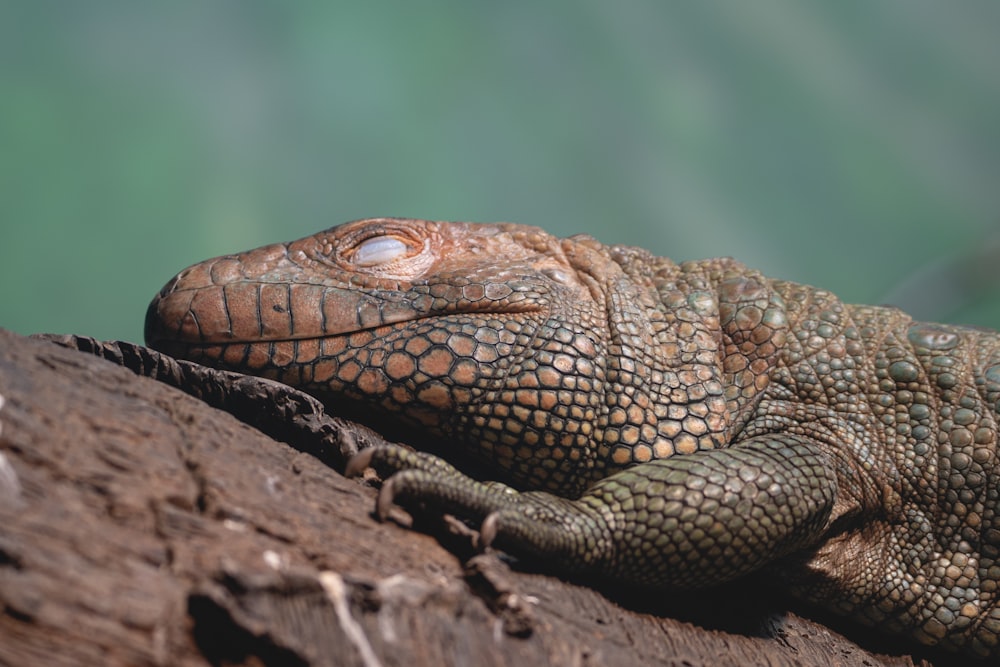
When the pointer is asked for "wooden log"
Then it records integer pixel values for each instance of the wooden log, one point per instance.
(139, 525)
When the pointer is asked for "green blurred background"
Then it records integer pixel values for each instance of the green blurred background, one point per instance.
(853, 145)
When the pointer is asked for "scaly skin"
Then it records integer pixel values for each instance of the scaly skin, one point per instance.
(669, 425)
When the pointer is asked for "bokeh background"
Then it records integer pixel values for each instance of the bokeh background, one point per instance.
(853, 145)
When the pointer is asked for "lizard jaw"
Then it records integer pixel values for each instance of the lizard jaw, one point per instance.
(256, 312)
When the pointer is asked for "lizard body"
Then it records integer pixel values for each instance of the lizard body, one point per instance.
(668, 425)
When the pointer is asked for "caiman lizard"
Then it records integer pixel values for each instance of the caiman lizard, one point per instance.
(667, 425)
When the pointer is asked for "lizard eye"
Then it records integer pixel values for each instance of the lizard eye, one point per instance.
(379, 250)
(386, 248)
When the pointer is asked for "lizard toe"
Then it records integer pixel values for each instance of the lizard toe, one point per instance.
(359, 462)
(388, 459)
(386, 499)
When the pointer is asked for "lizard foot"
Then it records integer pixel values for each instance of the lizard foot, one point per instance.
(420, 477)
(531, 523)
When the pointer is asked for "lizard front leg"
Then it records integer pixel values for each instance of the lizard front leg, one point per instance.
(681, 522)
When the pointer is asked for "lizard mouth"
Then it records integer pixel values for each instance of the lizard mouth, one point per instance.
(258, 312)
(188, 320)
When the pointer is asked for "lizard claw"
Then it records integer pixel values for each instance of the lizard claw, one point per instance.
(359, 462)
(384, 502)
(488, 531)
(356, 466)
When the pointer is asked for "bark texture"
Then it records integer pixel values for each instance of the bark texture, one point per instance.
(141, 525)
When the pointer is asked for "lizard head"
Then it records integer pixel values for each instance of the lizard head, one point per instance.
(493, 336)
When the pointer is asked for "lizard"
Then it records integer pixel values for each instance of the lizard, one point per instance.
(657, 424)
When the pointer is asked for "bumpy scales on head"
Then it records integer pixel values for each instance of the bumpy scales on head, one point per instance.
(672, 425)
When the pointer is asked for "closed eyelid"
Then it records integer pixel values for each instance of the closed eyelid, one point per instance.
(379, 250)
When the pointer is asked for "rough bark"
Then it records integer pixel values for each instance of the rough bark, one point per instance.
(140, 525)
